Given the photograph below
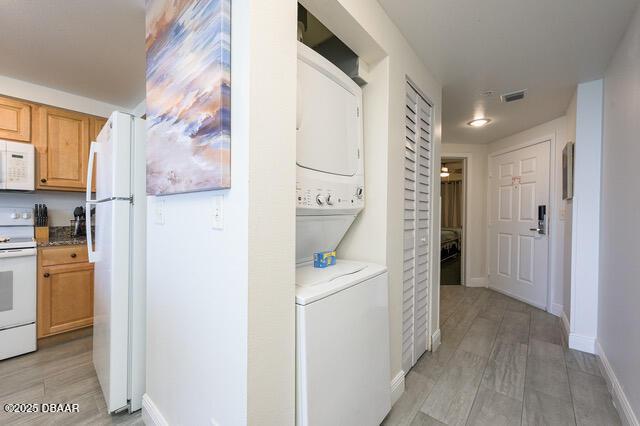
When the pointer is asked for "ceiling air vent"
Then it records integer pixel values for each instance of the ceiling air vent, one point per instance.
(513, 96)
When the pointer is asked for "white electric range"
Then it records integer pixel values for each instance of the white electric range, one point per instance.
(17, 282)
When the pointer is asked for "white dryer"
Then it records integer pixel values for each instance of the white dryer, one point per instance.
(342, 313)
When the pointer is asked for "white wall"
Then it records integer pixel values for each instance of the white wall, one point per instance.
(586, 217)
(60, 204)
(619, 293)
(272, 141)
(476, 223)
(556, 132)
(221, 326)
(567, 218)
(377, 235)
(48, 96)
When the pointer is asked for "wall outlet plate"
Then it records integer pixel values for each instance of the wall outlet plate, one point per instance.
(218, 212)
(158, 212)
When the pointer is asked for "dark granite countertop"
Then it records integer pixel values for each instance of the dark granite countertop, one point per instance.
(63, 236)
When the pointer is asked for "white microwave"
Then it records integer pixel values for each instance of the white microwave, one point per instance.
(17, 166)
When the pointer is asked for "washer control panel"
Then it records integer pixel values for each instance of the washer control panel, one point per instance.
(338, 197)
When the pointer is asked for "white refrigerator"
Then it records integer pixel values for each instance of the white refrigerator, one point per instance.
(118, 252)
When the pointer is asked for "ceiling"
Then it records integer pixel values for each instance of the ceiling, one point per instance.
(544, 46)
(92, 48)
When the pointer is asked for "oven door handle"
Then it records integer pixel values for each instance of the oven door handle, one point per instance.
(4, 254)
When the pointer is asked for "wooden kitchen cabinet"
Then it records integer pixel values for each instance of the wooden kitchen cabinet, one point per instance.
(62, 149)
(65, 290)
(15, 120)
(96, 124)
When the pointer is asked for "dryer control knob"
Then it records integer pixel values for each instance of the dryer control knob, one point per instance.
(359, 192)
(14, 215)
(26, 215)
(329, 200)
(320, 200)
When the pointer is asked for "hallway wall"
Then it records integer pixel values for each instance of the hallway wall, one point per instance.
(619, 293)
(571, 115)
(220, 310)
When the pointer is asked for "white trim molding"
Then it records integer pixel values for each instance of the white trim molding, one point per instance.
(582, 343)
(397, 387)
(435, 340)
(150, 413)
(620, 400)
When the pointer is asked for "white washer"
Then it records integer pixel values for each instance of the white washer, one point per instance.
(342, 317)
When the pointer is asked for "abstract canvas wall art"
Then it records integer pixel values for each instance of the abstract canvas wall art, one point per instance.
(188, 101)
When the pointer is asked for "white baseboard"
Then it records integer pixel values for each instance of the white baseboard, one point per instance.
(620, 399)
(397, 387)
(478, 282)
(150, 413)
(582, 343)
(435, 340)
(566, 327)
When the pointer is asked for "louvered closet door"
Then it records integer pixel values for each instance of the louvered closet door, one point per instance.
(417, 214)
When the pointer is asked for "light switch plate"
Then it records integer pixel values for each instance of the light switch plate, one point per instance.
(158, 212)
(218, 212)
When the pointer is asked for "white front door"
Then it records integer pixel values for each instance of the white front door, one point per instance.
(519, 185)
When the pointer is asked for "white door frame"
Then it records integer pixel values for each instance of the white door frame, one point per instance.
(466, 170)
(551, 138)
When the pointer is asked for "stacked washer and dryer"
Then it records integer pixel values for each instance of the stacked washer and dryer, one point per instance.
(342, 314)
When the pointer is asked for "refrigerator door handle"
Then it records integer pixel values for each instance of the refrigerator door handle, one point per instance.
(90, 250)
(93, 149)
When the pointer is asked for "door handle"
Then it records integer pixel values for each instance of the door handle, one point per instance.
(93, 149)
(535, 229)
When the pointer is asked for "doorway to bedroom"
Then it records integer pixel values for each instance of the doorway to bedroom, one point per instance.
(452, 214)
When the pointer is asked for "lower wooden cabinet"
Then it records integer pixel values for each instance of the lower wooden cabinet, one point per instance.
(65, 290)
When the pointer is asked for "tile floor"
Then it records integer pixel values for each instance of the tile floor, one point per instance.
(57, 374)
(502, 362)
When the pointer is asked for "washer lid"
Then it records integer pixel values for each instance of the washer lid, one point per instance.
(313, 284)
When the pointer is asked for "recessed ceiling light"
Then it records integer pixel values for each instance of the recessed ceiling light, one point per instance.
(479, 122)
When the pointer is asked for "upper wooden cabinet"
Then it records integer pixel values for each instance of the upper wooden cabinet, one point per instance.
(15, 120)
(61, 138)
(96, 124)
(62, 149)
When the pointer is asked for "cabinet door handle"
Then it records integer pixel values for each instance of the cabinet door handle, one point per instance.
(46, 275)
(74, 255)
(43, 180)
